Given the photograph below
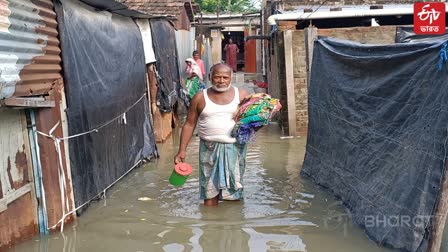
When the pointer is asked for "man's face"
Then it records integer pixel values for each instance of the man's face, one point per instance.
(196, 56)
(221, 79)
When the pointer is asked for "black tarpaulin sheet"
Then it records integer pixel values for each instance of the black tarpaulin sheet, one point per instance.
(406, 34)
(377, 134)
(104, 74)
(164, 42)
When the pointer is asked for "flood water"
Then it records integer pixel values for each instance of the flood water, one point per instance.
(281, 211)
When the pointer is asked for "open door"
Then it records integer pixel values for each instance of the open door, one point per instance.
(250, 54)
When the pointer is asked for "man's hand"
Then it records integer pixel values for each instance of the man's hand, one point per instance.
(180, 157)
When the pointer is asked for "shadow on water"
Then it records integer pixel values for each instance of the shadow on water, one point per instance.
(281, 211)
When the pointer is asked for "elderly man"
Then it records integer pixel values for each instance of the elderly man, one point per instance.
(221, 160)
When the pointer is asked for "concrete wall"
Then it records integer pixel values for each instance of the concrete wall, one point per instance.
(373, 35)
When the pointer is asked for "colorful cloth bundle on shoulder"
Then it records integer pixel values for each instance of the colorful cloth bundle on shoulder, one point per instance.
(254, 112)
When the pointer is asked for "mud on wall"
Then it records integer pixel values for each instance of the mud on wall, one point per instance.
(17, 205)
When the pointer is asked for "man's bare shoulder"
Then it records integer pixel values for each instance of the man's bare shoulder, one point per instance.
(198, 101)
(243, 93)
(198, 96)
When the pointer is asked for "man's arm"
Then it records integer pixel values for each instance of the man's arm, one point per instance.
(243, 93)
(188, 128)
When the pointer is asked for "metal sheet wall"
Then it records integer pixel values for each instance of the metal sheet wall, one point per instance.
(207, 58)
(46, 119)
(185, 47)
(29, 47)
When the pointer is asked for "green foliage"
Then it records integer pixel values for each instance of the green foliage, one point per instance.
(237, 6)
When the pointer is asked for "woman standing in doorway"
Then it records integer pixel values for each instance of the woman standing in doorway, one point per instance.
(232, 51)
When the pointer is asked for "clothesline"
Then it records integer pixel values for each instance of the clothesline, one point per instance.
(61, 172)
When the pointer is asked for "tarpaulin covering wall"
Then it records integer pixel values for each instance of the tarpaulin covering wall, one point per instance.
(104, 72)
(377, 134)
(406, 34)
(164, 41)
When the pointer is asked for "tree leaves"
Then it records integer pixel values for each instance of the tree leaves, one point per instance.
(236, 6)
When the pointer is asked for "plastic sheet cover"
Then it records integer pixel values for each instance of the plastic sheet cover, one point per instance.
(104, 74)
(164, 41)
(405, 34)
(145, 30)
(378, 135)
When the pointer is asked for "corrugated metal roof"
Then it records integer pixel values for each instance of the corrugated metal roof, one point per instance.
(29, 48)
(325, 8)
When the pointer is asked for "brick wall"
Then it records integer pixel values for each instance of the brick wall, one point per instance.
(300, 83)
(373, 35)
(370, 35)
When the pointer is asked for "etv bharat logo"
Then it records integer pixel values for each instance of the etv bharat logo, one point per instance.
(429, 18)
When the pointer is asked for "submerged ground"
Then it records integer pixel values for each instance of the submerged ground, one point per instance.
(281, 212)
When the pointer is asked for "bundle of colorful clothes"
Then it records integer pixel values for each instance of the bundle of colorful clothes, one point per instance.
(253, 113)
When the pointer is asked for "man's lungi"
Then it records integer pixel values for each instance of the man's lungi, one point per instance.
(221, 170)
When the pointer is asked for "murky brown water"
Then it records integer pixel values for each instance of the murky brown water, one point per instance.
(281, 210)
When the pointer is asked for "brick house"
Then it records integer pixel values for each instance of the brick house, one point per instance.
(298, 22)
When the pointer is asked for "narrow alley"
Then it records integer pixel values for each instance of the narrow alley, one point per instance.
(124, 124)
(281, 211)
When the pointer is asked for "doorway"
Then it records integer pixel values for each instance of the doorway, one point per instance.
(238, 39)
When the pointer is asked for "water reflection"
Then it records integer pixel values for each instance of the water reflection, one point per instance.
(268, 242)
(281, 211)
(194, 240)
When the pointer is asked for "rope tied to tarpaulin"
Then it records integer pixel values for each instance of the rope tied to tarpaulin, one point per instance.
(61, 173)
(443, 55)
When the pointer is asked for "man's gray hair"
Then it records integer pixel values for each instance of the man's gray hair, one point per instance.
(219, 65)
